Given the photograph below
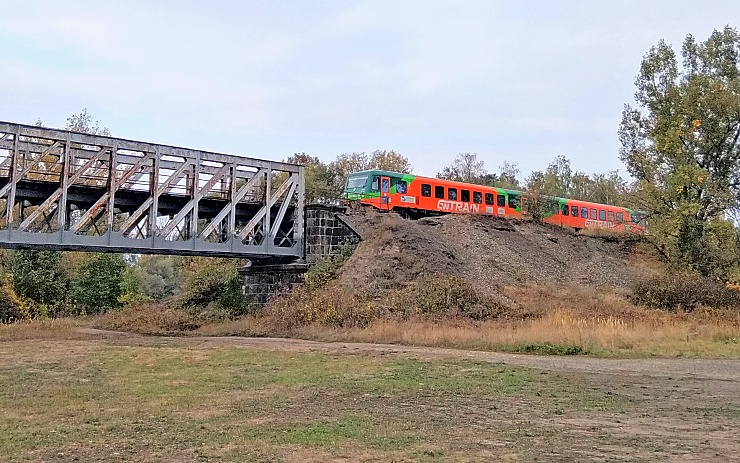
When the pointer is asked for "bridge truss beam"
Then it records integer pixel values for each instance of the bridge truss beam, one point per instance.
(73, 191)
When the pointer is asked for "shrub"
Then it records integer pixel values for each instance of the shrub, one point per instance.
(326, 268)
(330, 305)
(12, 307)
(206, 280)
(38, 278)
(684, 291)
(548, 349)
(99, 284)
(445, 295)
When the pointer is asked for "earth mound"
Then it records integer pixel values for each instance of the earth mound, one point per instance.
(490, 253)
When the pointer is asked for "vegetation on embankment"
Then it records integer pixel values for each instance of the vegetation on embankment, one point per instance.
(549, 321)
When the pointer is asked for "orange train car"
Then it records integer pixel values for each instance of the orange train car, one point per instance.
(415, 196)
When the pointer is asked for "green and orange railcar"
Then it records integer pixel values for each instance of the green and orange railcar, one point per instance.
(416, 196)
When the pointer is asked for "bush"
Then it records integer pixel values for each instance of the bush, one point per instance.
(330, 305)
(684, 291)
(327, 267)
(152, 318)
(12, 307)
(99, 284)
(445, 295)
(209, 280)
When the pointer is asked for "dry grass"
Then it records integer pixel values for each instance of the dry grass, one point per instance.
(547, 320)
(41, 328)
(692, 336)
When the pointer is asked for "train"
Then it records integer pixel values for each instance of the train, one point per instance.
(415, 196)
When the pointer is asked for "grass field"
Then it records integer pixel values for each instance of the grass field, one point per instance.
(165, 399)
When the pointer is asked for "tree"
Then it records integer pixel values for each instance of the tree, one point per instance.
(508, 176)
(681, 141)
(344, 165)
(389, 160)
(465, 168)
(556, 180)
(83, 122)
(99, 284)
(560, 180)
(317, 177)
(38, 277)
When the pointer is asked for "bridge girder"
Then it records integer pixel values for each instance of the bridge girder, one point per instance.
(74, 191)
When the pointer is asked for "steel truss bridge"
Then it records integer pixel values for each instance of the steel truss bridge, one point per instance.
(63, 190)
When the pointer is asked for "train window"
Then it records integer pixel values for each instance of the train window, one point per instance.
(574, 211)
(611, 216)
(489, 199)
(566, 209)
(385, 185)
(620, 217)
(401, 186)
(439, 192)
(593, 214)
(501, 200)
(465, 196)
(426, 190)
(452, 194)
(602, 214)
(477, 197)
(513, 201)
(376, 184)
(584, 212)
(356, 182)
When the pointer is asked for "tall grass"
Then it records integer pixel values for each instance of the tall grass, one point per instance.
(543, 319)
(695, 335)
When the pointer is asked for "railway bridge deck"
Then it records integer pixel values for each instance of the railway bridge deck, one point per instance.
(64, 190)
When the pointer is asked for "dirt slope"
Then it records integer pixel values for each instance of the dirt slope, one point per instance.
(487, 251)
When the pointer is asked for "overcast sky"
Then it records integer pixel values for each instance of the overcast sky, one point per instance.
(510, 80)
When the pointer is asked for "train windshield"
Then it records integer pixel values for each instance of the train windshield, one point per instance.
(356, 182)
(639, 218)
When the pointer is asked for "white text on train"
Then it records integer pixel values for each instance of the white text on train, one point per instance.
(454, 206)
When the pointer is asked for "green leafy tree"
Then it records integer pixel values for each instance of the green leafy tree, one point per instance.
(681, 142)
(560, 180)
(389, 160)
(465, 168)
(556, 180)
(317, 177)
(99, 286)
(39, 278)
(131, 292)
(204, 280)
(158, 275)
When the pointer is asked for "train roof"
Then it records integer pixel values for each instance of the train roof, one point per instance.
(385, 173)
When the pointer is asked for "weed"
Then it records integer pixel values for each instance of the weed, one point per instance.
(684, 292)
(547, 349)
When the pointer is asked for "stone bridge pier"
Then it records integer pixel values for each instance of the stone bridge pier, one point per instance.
(328, 230)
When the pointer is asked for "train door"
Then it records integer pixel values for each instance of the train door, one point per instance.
(385, 193)
(523, 205)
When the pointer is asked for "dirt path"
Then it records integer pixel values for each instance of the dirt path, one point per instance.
(700, 369)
